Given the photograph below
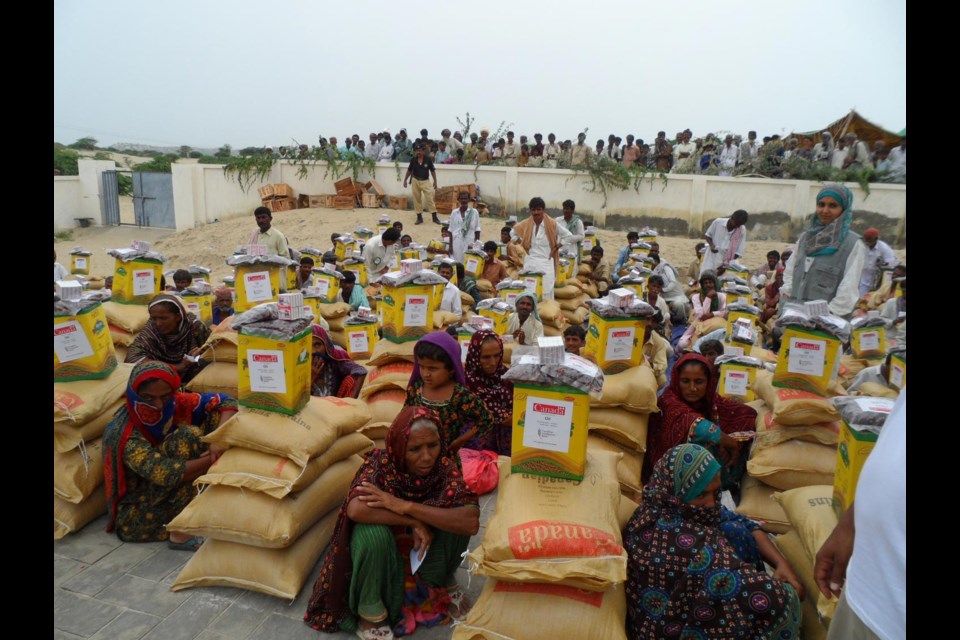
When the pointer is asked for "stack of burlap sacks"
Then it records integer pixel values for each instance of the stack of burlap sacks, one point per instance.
(385, 387)
(553, 556)
(268, 506)
(81, 411)
(789, 486)
(125, 322)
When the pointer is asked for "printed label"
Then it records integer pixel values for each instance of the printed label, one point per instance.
(257, 286)
(547, 424)
(70, 342)
(322, 285)
(896, 375)
(359, 341)
(530, 284)
(620, 344)
(473, 265)
(267, 373)
(193, 308)
(415, 311)
(545, 539)
(875, 405)
(869, 340)
(143, 282)
(807, 356)
(735, 383)
(81, 262)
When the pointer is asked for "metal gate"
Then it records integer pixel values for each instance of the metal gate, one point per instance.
(110, 198)
(153, 199)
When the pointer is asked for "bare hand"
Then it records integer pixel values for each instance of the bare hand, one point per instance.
(376, 498)
(785, 573)
(422, 539)
(215, 453)
(519, 336)
(729, 450)
(316, 368)
(830, 566)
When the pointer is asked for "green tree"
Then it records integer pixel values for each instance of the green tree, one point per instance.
(196, 154)
(224, 152)
(185, 151)
(158, 165)
(65, 161)
(87, 143)
(251, 151)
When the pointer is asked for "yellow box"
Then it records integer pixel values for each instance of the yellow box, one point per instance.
(616, 344)
(589, 240)
(290, 278)
(200, 306)
(570, 270)
(736, 381)
(648, 239)
(500, 317)
(853, 447)
(406, 312)
(256, 284)
(464, 338)
(359, 269)
(733, 316)
(328, 284)
(383, 226)
(361, 339)
(342, 248)
(313, 303)
(80, 263)
(898, 371)
(733, 298)
(438, 245)
(473, 264)
(808, 360)
(532, 283)
(501, 250)
(274, 375)
(636, 287)
(549, 431)
(408, 254)
(82, 347)
(744, 274)
(561, 273)
(869, 342)
(510, 293)
(136, 281)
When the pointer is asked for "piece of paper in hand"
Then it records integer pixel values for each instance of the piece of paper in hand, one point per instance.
(415, 560)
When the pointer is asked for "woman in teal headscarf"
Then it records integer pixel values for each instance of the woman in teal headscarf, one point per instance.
(828, 257)
(683, 577)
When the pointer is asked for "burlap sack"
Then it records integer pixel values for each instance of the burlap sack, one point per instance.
(630, 465)
(556, 531)
(624, 427)
(567, 292)
(121, 352)
(544, 612)
(550, 331)
(121, 337)
(574, 303)
(375, 430)
(793, 407)
(466, 300)
(386, 352)
(810, 511)
(69, 517)
(549, 311)
(76, 403)
(771, 433)
(129, 317)
(625, 511)
(576, 317)
(442, 319)
(333, 310)
(275, 572)
(217, 377)
(385, 404)
(278, 476)
(485, 286)
(78, 473)
(634, 390)
(757, 503)
(254, 518)
(67, 437)
(584, 269)
(794, 464)
(875, 390)
(792, 548)
(396, 372)
(300, 437)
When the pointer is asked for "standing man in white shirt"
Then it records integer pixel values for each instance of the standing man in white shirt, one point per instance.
(451, 293)
(551, 152)
(541, 237)
(879, 254)
(386, 149)
(452, 143)
(823, 150)
(729, 156)
(573, 223)
(839, 158)
(683, 154)
(378, 254)
(868, 548)
(464, 226)
(373, 148)
(726, 239)
(897, 161)
(858, 155)
(510, 151)
(749, 149)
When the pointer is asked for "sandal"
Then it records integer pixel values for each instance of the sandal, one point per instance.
(191, 544)
(459, 606)
(378, 633)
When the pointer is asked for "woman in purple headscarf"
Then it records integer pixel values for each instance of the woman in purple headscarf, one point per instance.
(438, 383)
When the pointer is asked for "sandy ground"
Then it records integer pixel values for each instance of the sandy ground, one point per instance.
(210, 245)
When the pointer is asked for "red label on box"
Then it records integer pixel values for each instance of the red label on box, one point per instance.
(549, 408)
(265, 358)
(63, 330)
(807, 345)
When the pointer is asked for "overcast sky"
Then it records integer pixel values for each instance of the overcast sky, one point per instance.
(252, 73)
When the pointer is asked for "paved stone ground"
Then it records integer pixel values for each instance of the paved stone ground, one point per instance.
(105, 589)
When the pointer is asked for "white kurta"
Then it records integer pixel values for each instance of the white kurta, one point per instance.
(847, 293)
(451, 299)
(539, 259)
(882, 252)
(463, 231)
(377, 257)
(717, 231)
(728, 159)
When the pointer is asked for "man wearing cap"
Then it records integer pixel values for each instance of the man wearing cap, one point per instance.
(419, 173)
(264, 234)
(879, 254)
(464, 226)
(378, 254)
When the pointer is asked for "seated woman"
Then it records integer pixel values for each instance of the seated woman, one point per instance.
(333, 373)
(484, 371)
(170, 334)
(438, 383)
(152, 453)
(708, 303)
(524, 324)
(691, 411)
(410, 495)
(683, 577)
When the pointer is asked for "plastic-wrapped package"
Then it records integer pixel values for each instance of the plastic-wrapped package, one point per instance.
(729, 277)
(863, 411)
(510, 284)
(745, 307)
(575, 372)
(126, 255)
(736, 266)
(865, 322)
(746, 361)
(311, 251)
(198, 270)
(531, 272)
(195, 290)
(73, 307)
(264, 321)
(603, 308)
(279, 261)
(794, 315)
(398, 278)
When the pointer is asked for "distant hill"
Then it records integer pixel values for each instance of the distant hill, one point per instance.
(134, 147)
